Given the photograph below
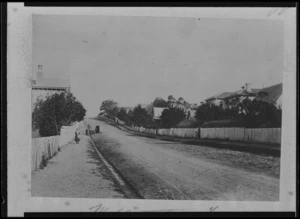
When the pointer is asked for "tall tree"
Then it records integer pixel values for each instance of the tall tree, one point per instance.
(110, 107)
(208, 112)
(159, 102)
(140, 117)
(55, 111)
(170, 117)
(171, 97)
(260, 113)
(123, 116)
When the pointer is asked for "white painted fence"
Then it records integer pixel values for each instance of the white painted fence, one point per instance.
(271, 135)
(67, 133)
(234, 134)
(262, 135)
(46, 147)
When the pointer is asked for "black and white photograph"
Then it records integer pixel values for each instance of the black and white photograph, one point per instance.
(168, 109)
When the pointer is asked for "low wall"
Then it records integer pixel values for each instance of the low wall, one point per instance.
(46, 147)
(67, 134)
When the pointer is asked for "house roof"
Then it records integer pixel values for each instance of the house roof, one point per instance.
(220, 96)
(274, 92)
(51, 83)
(252, 92)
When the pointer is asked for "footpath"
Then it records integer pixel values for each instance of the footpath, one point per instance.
(75, 172)
(252, 147)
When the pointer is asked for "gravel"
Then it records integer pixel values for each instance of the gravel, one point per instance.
(259, 163)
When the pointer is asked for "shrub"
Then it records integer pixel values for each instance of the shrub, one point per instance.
(170, 117)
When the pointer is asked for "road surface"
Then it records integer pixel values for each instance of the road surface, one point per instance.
(158, 171)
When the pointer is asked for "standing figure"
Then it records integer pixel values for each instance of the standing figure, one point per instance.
(76, 136)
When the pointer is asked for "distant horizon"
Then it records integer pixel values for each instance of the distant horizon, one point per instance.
(136, 59)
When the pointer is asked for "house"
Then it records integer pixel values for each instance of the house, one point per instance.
(157, 111)
(42, 87)
(245, 92)
(219, 99)
(271, 94)
(225, 98)
(191, 113)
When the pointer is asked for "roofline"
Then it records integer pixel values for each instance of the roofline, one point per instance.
(272, 86)
(49, 88)
(239, 95)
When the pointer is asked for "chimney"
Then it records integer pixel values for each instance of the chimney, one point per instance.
(39, 75)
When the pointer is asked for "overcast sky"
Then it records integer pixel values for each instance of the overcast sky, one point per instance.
(135, 59)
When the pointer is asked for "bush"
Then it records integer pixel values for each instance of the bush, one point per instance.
(140, 117)
(207, 112)
(123, 116)
(261, 114)
(110, 107)
(245, 113)
(56, 110)
(170, 117)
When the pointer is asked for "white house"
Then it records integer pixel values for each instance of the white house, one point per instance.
(42, 87)
(157, 111)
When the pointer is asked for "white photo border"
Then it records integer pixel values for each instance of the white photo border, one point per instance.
(19, 74)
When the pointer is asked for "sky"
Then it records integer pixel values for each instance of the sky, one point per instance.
(133, 60)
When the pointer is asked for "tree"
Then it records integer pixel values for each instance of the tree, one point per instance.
(35, 114)
(209, 112)
(249, 113)
(180, 100)
(110, 107)
(55, 111)
(260, 113)
(159, 102)
(170, 117)
(171, 97)
(140, 117)
(123, 116)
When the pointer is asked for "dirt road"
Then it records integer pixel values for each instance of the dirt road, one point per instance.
(157, 170)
